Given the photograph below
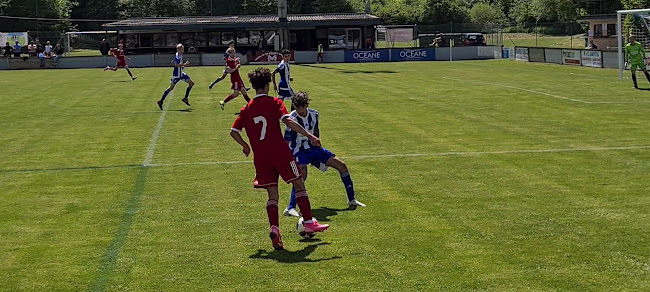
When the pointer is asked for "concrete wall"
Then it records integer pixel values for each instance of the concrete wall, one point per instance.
(610, 59)
(536, 55)
(166, 60)
(85, 62)
(553, 56)
(4, 64)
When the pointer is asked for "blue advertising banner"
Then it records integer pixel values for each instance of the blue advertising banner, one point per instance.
(367, 56)
(428, 54)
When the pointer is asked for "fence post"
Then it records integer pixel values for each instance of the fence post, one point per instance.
(451, 40)
(536, 43)
(571, 33)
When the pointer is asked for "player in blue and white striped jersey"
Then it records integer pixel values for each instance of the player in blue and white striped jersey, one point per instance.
(178, 76)
(284, 91)
(306, 153)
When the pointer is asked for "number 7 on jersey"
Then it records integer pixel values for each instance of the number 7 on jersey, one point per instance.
(261, 119)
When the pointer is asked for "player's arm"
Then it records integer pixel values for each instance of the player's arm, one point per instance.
(294, 126)
(236, 135)
(275, 84)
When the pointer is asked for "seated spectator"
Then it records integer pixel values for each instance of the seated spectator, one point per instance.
(7, 50)
(48, 50)
(31, 49)
(58, 53)
(17, 49)
(592, 46)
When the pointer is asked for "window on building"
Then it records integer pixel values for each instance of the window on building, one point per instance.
(255, 38)
(215, 39)
(598, 30)
(227, 37)
(611, 29)
(187, 39)
(336, 38)
(146, 40)
(200, 40)
(172, 39)
(132, 41)
(242, 38)
(159, 40)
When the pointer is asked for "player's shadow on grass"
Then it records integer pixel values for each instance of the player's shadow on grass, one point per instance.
(347, 71)
(189, 110)
(292, 257)
(644, 89)
(322, 214)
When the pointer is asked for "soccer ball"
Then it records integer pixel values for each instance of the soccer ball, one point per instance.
(300, 228)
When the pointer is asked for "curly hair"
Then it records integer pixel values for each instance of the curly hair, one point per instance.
(260, 77)
(301, 99)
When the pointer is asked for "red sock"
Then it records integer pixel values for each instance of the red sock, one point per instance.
(303, 203)
(113, 69)
(229, 98)
(272, 212)
(247, 98)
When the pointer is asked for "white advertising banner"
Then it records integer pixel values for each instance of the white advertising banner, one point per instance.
(571, 57)
(399, 34)
(592, 59)
(521, 54)
(12, 37)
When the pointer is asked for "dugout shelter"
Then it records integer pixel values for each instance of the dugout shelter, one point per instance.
(251, 33)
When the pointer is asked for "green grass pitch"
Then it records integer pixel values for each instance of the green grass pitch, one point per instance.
(478, 175)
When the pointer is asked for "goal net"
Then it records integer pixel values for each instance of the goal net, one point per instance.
(632, 23)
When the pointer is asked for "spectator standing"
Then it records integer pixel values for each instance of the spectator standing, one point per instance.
(41, 58)
(48, 49)
(319, 57)
(104, 47)
(17, 49)
(31, 49)
(58, 53)
(7, 50)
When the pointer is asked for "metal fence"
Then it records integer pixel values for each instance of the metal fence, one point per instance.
(554, 35)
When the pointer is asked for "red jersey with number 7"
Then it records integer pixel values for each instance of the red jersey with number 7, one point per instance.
(261, 118)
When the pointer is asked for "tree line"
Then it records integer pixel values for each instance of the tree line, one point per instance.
(510, 12)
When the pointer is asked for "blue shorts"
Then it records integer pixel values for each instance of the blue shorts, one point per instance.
(285, 93)
(316, 156)
(184, 77)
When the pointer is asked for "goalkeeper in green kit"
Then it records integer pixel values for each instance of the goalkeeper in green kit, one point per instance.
(635, 56)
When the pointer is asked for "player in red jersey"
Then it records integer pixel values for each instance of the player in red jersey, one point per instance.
(121, 57)
(272, 157)
(232, 67)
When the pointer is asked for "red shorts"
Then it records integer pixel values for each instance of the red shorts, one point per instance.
(237, 84)
(120, 64)
(269, 167)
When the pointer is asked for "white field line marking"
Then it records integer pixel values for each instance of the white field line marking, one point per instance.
(156, 132)
(433, 154)
(522, 89)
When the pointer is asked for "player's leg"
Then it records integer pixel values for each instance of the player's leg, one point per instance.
(167, 91)
(190, 84)
(291, 208)
(228, 98)
(633, 71)
(302, 199)
(274, 218)
(244, 93)
(645, 72)
(223, 76)
(339, 165)
(130, 74)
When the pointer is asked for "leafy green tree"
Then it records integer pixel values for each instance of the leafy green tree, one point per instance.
(484, 13)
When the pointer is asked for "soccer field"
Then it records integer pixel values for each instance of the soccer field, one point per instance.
(478, 175)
